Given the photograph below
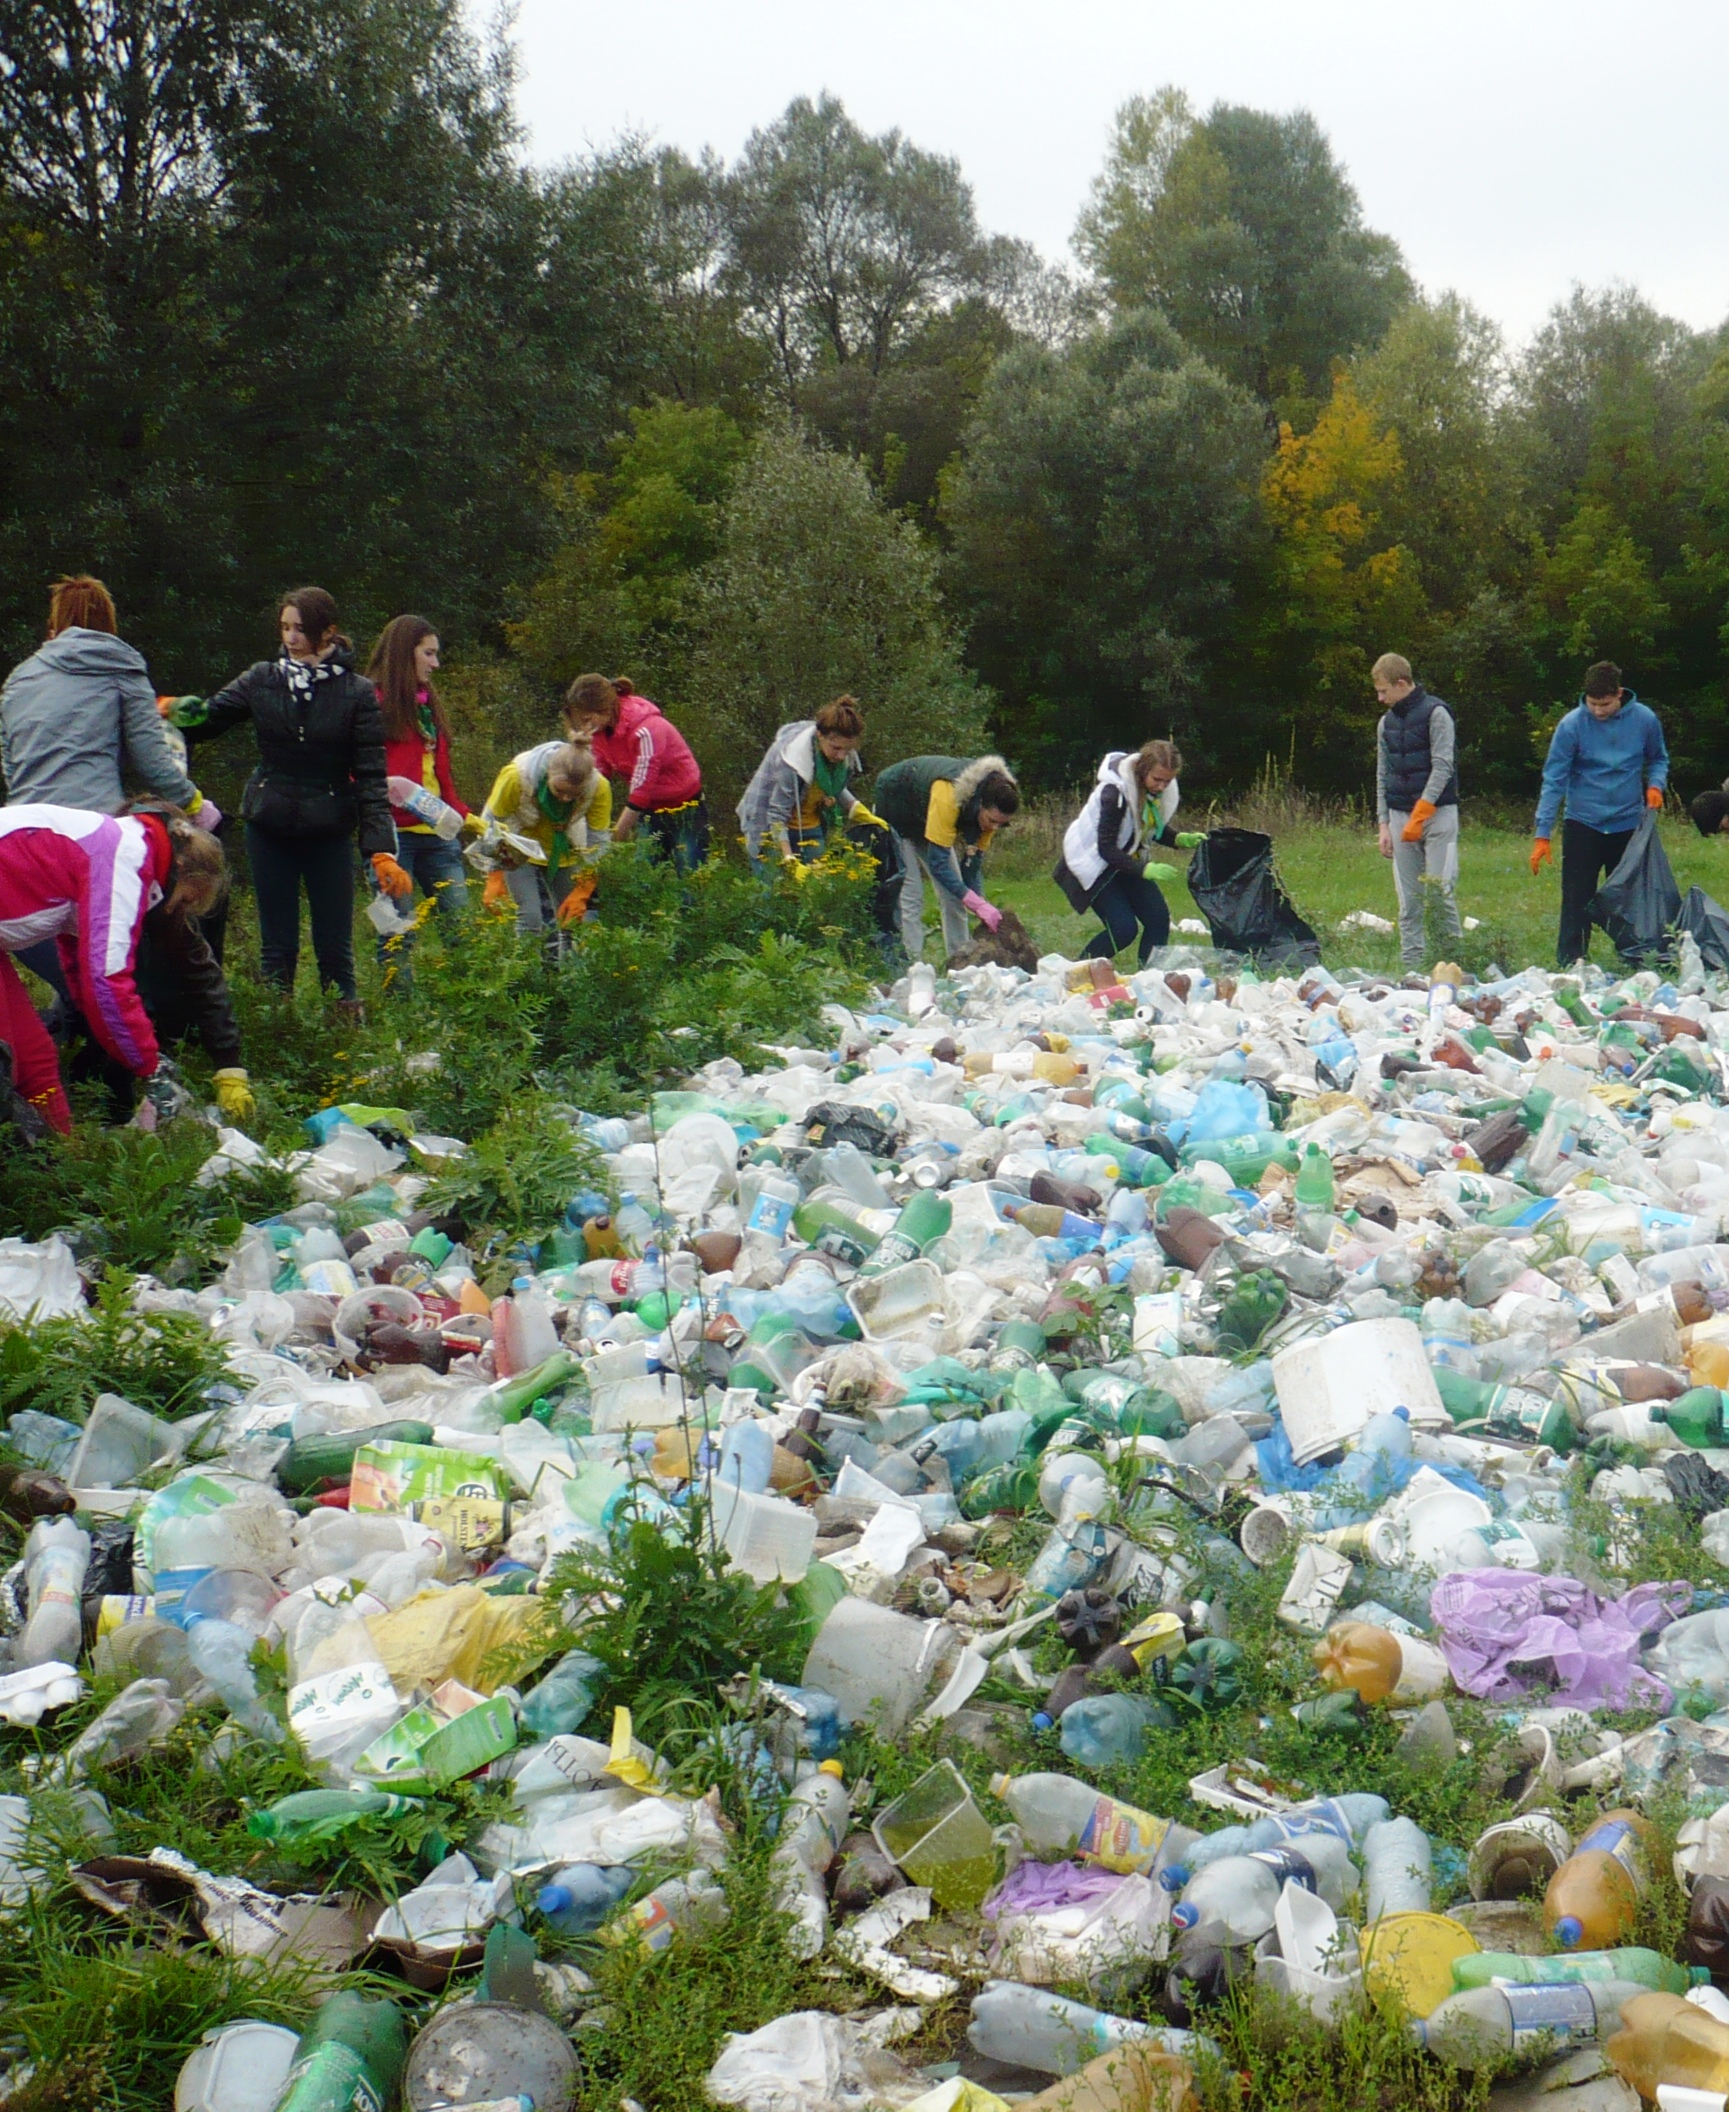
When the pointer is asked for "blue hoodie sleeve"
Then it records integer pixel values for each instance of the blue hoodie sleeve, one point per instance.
(1656, 752)
(1557, 769)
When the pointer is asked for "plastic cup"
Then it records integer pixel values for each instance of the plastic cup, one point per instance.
(940, 1838)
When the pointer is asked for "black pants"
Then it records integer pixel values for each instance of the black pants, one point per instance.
(1587, 855)
(326, 865)
(1125, 900)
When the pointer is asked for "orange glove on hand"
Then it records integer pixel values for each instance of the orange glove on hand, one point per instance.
(391, 877)
(1421, 815)
(1540, 853)
(570, 910)
(1654, 797)
(496, 893)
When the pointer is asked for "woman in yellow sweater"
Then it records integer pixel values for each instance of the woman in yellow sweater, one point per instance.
(553, 795)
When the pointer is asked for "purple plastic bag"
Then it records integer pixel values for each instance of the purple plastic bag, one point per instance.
(1042, 1888)
(1507, 1635)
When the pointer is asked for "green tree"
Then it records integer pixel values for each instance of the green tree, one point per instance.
(1101, 517)
(817, 590)
(1245, 231)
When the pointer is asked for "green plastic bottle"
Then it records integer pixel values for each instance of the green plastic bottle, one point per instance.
(925, 1217)
(1247, 1157)
(1507, 1411)
(350, 2058)
(1648, 1968)
(309, 1461)
(844, 1233)
(1315, 1189)
(1696, 1417)
(311, 1815)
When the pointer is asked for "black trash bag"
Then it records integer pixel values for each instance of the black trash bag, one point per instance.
(1639, 902)
(1708, 924)
(884, 846)
(839, 1122)
(1232, 879)
(1697, 1487)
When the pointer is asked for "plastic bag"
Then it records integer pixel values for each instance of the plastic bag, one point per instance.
(1247, 910)
(1707, 923)
(1639, 902)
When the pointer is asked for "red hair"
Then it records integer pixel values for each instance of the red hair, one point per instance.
(83, 603)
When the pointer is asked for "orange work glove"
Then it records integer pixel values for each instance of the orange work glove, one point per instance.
(496, 893)
(1654, 797)
(1540, 853)
(391, 877)
(1421, 815)
(570, 910)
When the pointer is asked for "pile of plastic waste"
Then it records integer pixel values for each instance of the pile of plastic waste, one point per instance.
(1018, 1336)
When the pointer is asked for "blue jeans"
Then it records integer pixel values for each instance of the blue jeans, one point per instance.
(436, 867)
(1125, 900)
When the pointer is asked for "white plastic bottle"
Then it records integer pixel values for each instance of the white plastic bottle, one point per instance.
(1397, 1869)
(1233, 1899)
(813, 1826)
(1028, 2027)
(1486, 2024)
(56, 1555)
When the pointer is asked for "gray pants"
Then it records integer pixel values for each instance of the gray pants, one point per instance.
(956, 929)
(1423, 873)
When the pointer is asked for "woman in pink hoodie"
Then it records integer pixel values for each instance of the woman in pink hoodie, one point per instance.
(633, 739)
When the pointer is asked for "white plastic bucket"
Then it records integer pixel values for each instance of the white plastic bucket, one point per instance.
(1330, 1385)
(240, 2068)
(876, 1663)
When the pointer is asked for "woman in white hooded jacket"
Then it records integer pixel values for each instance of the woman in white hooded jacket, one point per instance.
(1104, 865)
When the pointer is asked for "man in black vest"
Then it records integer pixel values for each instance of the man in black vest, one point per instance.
(1416, 801)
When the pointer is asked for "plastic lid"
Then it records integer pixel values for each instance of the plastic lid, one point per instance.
(554, 1898)
(1175, 1876)
(1185, 1916)
(1569, 1932)
(1699, 1976)
(831, 1767)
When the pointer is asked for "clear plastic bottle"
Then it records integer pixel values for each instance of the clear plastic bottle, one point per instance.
(1349, 1817)
(746, 1456)
(1483, 2026)
(1397, 1869)
(1233, 1899)
(1028, 2027)
(818, 1813)
(1055, 1812)
(1109, 1730)
(580, 1896)
(56, 1556)
(223, 1654)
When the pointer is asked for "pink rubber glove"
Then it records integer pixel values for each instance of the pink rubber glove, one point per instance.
(209, 815)
(988, 916)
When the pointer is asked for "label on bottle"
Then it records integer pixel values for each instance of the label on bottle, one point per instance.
(1563, 2012)
(891, 1250)
(332, 2078)
(1615, 1837)
(842, 1242)
(1118, 1837)
(1290, 1864)
(771, 1214)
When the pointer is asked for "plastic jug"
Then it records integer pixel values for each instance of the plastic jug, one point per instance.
(1667, 2039)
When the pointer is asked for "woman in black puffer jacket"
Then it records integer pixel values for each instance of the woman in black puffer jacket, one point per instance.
(320, 778)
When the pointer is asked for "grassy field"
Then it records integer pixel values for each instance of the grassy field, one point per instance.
(1330, 865)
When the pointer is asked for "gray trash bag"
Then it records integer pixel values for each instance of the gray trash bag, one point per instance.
(1707, 924)
(1236, 889)
(1639, 902)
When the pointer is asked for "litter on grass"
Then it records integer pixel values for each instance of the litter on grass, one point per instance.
(1406, 1301)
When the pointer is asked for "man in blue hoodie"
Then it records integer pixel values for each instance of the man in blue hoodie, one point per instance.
(1608, 761)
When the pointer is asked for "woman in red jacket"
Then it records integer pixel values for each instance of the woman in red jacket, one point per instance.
(633, 739)
(417, 748)
(87, 881)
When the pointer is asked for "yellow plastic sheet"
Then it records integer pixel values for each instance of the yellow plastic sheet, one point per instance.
(456, 1634)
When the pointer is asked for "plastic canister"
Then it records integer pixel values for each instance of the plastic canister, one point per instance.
(1329, 1387)
(238, 2068)
(1513, 1858)
(875, 1662)
(473, 2053)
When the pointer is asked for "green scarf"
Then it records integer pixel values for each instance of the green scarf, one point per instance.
(558, 812)
(830, 777)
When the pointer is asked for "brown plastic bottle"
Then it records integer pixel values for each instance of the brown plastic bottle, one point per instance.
(1706, 1942)
(27, 1493)
(1592, 1903)
(1067, 1195)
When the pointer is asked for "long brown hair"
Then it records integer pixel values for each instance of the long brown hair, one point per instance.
(81, 602)
(391, 673)
(197, 869)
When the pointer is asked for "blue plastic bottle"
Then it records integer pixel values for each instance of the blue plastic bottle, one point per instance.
(1107, 1730)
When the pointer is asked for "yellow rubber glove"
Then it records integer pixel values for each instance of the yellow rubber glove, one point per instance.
(234, 1094)
(1540, 854)
(863, 813)
(795, 869)
(391, 877)
(1654, 798)
(1421, 816)
(473, 825)
(1190, 839)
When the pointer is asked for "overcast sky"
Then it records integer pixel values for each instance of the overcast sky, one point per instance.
(1510, 148)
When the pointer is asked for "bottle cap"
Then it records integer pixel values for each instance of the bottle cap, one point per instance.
(831, 1767)
(554, 1899)
(1699, 1975)
(1569, 1932)
(1185, 1916)
(1175, 1876)
(1043, 1720)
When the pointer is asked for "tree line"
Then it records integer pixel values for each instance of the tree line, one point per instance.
(280, 297)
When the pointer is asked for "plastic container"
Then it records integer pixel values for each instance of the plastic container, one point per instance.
(474, 2053)
(120, 1444)
(1411, 1957)
(1329, 1387)
(765, 1536)
(236, 2068)
(1513, 1858)
(876, 1663)
(940, 1838)
(1592, 1902)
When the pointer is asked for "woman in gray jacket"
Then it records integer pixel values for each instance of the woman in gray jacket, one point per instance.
(80, 715)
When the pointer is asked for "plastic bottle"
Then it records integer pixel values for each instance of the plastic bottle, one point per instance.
(1397, 1869)
(746, 1456)
(1027, 2027)
(847, 1167)
(1593, 1899)
(1696, 1418)
(1349, 1817)
(350, 2058)
(777, 1197)
(1055, 1812)
(818, 1813)
(1232, 1900)
(1486, 2025)
(523, 1333)
(27, 1493)
(1667, 2039)
(1515, 1412)
(223, 1654)
(562, 1701)
(425, 805)
(312, 1815)
(678, 1905)
(581, 1896)
(847, 1231)
(925, 1218)
(1650, 1969)
(1110, 1730)
(56, 1556)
